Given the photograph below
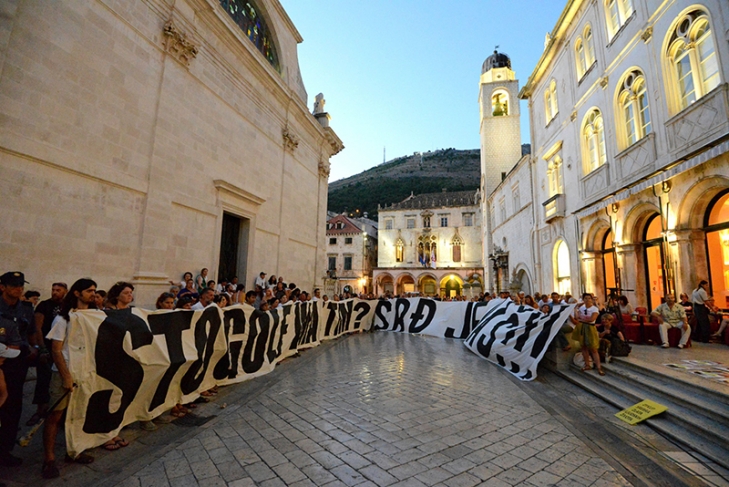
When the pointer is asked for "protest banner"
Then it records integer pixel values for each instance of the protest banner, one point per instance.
(516, 337)
(132, 365)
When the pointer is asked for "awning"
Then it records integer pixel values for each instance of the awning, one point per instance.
(657, 179)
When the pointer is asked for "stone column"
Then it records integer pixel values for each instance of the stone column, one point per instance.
(689, 254)
(632, 273)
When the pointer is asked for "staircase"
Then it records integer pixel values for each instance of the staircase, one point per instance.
(697, 416)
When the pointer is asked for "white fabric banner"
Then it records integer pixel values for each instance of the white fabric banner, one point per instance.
(132, 365)
(446, 319)
(516, 337)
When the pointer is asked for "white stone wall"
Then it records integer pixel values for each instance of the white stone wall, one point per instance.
(471, 251)
(111, 147)
(641, 43)
(513, 235)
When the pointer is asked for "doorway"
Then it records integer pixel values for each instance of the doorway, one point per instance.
(654, 262)
(234, 248)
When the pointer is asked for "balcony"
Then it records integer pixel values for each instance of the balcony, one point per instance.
(637, 160)
(554, 207)
(595, 184)
(701, 123)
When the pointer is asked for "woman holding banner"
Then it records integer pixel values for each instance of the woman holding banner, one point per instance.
(586, 333)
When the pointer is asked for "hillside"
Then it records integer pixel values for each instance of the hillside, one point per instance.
(394, 180)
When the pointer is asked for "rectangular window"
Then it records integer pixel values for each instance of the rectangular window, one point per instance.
(515, 198)
(333, 241)
(348, 240)
(444, 221)
(347, 262)
(467, 220)
(502, 210)
(388, 224)
(411, 223)
(332, 263)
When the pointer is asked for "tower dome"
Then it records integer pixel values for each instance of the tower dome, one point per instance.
(496, 60)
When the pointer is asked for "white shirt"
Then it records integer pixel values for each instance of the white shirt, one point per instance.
(699, 296)
(59, 333)
(584, 313)
(260, 281)
(198, 306)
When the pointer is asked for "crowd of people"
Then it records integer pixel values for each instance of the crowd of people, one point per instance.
(33, 333)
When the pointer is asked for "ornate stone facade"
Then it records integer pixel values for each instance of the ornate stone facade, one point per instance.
(164, 152)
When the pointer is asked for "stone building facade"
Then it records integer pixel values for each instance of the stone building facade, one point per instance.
(511, 219)
(351, 253)
(629, 111)
(140, 140)
(431, 244)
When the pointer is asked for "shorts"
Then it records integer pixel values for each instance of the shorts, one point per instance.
(57, 391)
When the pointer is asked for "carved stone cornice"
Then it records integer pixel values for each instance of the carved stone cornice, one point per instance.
(324, 168)
(290, 140)
(335, 143)
(177, 44)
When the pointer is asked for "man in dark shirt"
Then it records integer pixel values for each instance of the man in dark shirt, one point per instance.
(17, 323)
(45, 313)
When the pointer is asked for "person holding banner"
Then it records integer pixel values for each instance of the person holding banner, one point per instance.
(82, 295)
(586, 333)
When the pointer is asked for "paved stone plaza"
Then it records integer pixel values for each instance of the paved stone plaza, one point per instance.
(384, 409)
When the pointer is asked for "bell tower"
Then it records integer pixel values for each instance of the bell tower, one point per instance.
(500, 128)
(500, 137)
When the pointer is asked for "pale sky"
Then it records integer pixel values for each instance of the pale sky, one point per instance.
(403, 74)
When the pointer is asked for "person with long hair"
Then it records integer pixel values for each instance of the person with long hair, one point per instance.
(586, 333)
(120, 296)
(165, 301)
(699, 297)
(81, 296)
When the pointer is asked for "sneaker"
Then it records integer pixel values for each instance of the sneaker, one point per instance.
(8, 460)
(50, 471)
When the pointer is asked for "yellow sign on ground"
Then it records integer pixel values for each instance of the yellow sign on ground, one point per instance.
(643, 410)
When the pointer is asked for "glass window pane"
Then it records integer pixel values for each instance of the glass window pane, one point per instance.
(685, 78)
(563, 261)
(645, 114)
(709, 65)
(629, 122)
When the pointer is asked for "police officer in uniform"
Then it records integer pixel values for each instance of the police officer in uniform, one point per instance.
(17, 324)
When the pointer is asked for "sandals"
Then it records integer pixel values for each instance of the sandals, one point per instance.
(82, 459)
(121, 441)
(111, 445)
(600, 371)
(50, 471)
(586, 368)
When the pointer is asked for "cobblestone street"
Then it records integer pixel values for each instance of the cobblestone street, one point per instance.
(369, 409)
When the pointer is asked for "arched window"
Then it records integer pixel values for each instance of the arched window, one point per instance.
(610, 269)
(456, 245)
(399, 246)
(691, 53)
(633, 99)
(654, 261)
(554, 176)
(717, 245)
(550, 101)
(617, 13)
(593, 138)
(562, 275)
(245, 13)
(500, 103)
(589, 47)
(584, 52)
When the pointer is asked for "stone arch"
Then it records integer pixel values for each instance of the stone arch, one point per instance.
(595, 234)
(403, 280)
(523, 275)
(634, 223)
(426, 279)
(692, 208)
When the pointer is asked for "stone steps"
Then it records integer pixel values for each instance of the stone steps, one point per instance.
(697, 417)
